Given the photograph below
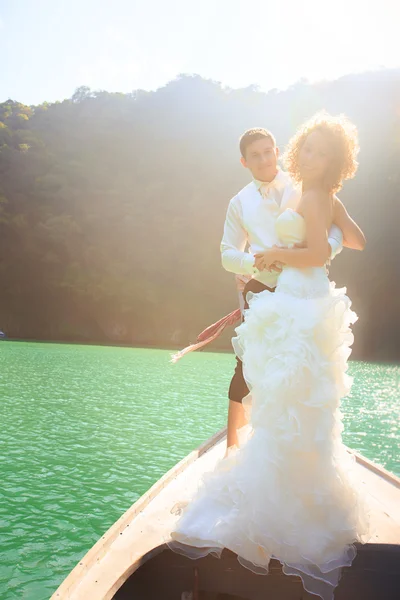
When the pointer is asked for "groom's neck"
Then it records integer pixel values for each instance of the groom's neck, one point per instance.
(270, 178)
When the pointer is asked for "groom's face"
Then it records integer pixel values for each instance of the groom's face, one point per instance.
(261, 158)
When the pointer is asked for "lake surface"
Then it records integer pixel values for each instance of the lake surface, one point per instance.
(86, 430)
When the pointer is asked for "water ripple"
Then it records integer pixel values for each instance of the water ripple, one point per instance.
(87, 430)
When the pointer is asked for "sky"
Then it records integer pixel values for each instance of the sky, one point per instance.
(51, 47)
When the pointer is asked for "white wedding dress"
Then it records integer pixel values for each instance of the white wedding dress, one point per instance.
(289, 492)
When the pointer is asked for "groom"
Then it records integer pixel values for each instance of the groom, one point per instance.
(250, 221)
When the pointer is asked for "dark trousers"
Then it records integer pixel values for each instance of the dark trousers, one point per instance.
(238, 388)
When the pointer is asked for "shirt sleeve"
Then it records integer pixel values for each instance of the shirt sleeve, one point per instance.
(234, 258)
(335, 240)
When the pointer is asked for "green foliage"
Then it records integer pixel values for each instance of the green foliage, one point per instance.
(112, 207)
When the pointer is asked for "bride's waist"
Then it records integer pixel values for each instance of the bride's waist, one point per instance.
(306, 271)
(310, 278)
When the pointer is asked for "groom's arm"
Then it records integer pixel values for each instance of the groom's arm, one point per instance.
(234, 258)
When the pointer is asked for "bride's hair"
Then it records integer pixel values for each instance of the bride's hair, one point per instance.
(343, 136)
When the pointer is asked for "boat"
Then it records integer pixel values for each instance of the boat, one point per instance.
(132, 560)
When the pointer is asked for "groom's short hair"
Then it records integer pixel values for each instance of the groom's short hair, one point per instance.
(252, 135)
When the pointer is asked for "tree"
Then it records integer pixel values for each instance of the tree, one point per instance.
(112, 206)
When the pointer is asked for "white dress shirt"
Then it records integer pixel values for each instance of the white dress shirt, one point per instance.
(250, 220)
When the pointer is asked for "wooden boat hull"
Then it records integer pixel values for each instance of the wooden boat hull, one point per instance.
(374, 575)
(132, 560)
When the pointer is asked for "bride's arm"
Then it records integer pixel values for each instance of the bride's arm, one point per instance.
(353, 237)
(315, 209)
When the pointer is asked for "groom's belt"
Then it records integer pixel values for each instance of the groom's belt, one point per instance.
(256, 287)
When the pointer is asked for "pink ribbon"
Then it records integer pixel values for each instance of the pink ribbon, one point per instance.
(211, 333)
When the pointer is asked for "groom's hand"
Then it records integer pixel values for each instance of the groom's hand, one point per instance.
(261, 262)
(276, 266)
(264, 261)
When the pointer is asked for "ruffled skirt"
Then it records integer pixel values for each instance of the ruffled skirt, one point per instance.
(289, 491)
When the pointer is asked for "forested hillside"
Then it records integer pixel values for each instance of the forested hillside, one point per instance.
(112, 208)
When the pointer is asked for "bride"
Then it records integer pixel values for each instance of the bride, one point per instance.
(288, 492)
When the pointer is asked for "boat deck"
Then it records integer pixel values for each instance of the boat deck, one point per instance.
(145, 527)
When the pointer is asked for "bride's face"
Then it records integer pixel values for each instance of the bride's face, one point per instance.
(315, 157)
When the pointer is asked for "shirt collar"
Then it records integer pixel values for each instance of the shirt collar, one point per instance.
(279, 181)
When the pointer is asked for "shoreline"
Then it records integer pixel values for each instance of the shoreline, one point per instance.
(170, 348)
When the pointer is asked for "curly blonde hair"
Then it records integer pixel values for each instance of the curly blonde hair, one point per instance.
(344, 138)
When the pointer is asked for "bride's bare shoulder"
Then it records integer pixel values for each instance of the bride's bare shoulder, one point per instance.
(315, 200)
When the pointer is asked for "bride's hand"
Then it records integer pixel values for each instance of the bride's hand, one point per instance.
(263, 261)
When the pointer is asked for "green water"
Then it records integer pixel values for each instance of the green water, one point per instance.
(86, 430)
